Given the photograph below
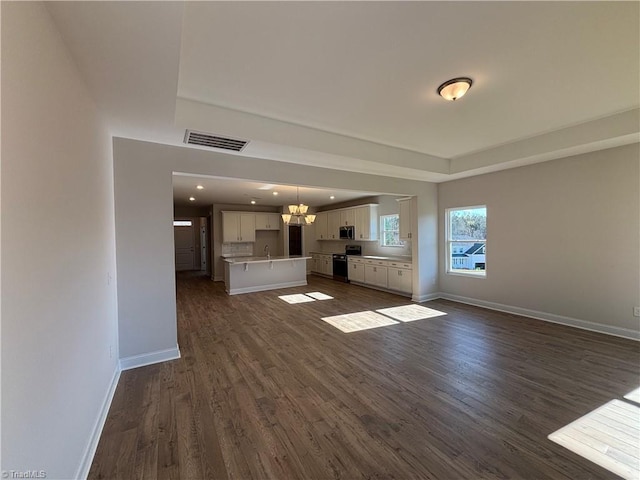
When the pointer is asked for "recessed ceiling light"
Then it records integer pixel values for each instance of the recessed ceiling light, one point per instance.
(332, 197)
(192, 199)
(275, 194)
(253, 202)
(455, 88)
(199, 187)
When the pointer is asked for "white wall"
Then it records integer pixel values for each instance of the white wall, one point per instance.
(58, 309)
(143, 171)
(563, 238)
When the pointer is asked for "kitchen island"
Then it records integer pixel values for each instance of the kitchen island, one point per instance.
(256, 274)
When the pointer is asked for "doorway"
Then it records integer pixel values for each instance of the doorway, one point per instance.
(295, 240)
(184, 241)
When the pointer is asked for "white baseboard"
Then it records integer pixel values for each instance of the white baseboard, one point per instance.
(159, 356)
(381, 289)
(547, 317)
(426, 297)
(96, 432)
(263, 288)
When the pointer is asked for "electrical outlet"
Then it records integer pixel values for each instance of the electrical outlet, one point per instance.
(636, 311)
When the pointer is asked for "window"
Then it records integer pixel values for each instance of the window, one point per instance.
(182, 223)
(390, 230)
(466, 231)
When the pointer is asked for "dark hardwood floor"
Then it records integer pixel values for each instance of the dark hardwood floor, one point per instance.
(266, 390)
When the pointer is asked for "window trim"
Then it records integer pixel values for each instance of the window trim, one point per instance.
(382, 230)
(448, 243)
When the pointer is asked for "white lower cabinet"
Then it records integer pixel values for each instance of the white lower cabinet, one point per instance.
(386, 274)
(315, 263)
(321, 263)
(356, 270)
(375, 275)
(327, 265)
(399, 279)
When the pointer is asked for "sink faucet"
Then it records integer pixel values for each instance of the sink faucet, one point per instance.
(266, 249)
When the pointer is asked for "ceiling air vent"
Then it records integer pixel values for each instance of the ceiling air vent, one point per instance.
(214, 141)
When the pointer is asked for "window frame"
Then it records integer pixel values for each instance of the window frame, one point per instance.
(382, 231)
(450, 270)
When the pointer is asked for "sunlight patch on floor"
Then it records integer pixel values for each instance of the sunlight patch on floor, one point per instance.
(305, 297)
(608, 436)
(319, 296)
(296, 298)
(634, 396)
(410, 313)
(354, 322)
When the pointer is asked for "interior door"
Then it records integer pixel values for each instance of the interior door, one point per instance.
(203, 244)
(295, 240)
(183, 237)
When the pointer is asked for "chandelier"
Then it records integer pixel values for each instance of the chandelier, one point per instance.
(298, 213)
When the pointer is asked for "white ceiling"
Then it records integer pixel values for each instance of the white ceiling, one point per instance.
(352, 85)
(371, 70)
(225, 190)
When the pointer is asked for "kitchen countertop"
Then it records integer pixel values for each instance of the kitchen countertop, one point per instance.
(398, 258)
(394, 258)
(282, 258)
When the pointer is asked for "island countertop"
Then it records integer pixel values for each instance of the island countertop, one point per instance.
(233, 260)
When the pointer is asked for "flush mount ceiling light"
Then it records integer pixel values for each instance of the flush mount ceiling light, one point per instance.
(192, 199)
(298, 214)
(199, 187)
(455, 88)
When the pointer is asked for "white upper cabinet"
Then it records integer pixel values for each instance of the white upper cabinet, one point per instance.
(238, 227)
(406, 215)
(366, 222)
(348, 217)
(267, 221)
(363, 218)
(321, 226)
(333, 224)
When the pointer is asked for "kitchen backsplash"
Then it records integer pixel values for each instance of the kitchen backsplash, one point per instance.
(368, 248)
(237, 248)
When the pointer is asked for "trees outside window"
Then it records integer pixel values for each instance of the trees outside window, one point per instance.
(390, 230)
(466, 230)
